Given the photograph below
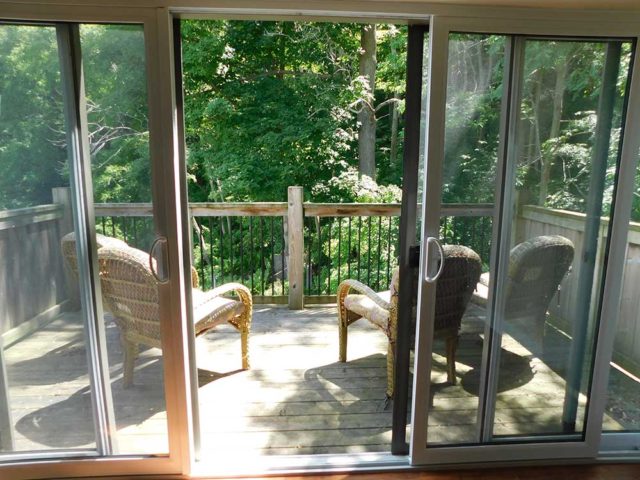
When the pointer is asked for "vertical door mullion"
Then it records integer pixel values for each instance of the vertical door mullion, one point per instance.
(171, 220)
(614, 276)
(181, 146)
(432, 192)
(408, 217)
(503, 216)
(84, 225)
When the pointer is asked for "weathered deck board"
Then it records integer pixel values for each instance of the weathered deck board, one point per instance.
(296, 399)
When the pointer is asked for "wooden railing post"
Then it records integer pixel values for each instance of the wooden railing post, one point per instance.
(295, 224)
(62, 196)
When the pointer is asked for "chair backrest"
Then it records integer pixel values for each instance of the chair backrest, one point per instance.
(130, 292)
(454, 288)
(460, 275)
(68, 246)
(536, 268)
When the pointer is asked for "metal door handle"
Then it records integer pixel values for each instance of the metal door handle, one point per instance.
(427, 278)
(155, 243)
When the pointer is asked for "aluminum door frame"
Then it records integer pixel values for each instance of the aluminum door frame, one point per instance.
(533, 447)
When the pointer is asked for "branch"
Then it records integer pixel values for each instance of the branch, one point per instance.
(387, 102)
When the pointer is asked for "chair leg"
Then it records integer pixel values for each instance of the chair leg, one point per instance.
(391, 356)
(244, 346)
(130, 355)
(452, 345)
(342, 331)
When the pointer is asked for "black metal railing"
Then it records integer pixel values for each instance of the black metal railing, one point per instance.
(365, 248)
(250, 250)
(249, 242)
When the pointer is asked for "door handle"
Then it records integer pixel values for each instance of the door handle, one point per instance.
(427, 278)
(154, 245)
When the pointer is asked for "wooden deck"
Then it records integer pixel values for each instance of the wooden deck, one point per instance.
(296, 399)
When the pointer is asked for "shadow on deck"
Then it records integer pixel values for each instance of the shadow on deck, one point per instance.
(296, 398)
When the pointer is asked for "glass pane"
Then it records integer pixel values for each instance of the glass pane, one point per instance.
(622, 412)
(567, 148)
(116, 94)
(474, 89)
(45, 398)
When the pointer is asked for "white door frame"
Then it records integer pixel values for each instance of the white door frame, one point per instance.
(587, 446)
(167, 222)
(169, 217)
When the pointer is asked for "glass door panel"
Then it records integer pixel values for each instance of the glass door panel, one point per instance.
(525, 132)
(472, 126)
(73, 114)
(622, 410)
(564, 157)
(47, 384)
(116, 94)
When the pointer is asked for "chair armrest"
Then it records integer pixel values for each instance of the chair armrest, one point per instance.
(243, 292)
(345, 287)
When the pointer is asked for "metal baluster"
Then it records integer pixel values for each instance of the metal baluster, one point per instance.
(123, 222)
(230, 225)
(389, 253)
(369, 250)
(339, 247)
(379, 253)
(349, 249)
(359, 244)
(329, 250)
(262, 256)
(201, 244)
(241, 251)
(221, 251)
(211, 279)
(309, 276)
(273, 260)
(282, 251)
(319, 224)
(135, 230)
(251, 251)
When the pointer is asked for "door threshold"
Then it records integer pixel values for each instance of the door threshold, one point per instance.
(242, 466)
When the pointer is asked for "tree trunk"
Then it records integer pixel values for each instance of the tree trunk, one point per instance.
(394, 134)
(395, 119)
(367, 114)
(534, 149)
(558, 97)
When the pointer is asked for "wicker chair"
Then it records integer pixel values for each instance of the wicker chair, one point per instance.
(130, 293)
(536, 268)
(454, 288)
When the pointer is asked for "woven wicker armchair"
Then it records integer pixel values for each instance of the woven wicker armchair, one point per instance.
(130, 293)
(454, 288)
(536, 268)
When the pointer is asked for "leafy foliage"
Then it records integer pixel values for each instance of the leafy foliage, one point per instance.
(272, 104)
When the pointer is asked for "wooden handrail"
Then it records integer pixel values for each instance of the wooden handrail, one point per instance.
(277, 209)
(19, 217)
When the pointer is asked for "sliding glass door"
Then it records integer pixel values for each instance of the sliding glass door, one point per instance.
(523, 154)
(85, 281)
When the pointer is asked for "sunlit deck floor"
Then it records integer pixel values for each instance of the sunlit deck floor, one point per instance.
(296, 399)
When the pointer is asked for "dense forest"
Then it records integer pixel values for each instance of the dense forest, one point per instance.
(273, 104)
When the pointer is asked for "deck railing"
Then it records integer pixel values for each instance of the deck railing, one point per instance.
(257, 243)
(254, 242)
